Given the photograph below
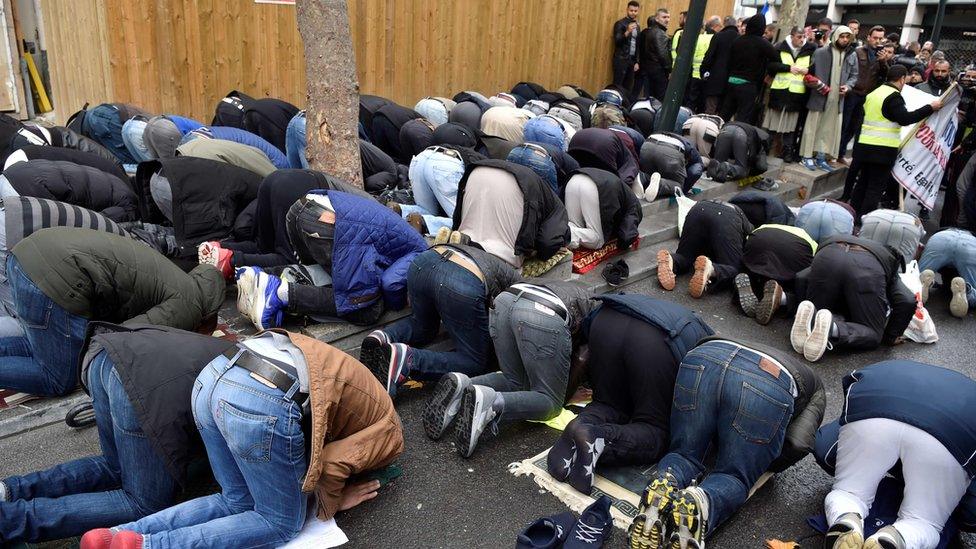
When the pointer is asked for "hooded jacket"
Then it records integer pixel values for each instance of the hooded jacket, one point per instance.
(751, 53)
(545, 224)
(269, 118)
(715, 64)
(387, 122)
(236, 154)
(784, 99)
(238, 135)
(822, 67)
(76, 156)
(75, 184)
(103, 276)
(762, 208)
(604, 149)
(620, 212)
(368, 105)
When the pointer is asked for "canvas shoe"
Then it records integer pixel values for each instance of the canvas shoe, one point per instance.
(594, 527)
(809, 164)
(390, 365)
(703, 274)
(99, 538)
(546, 533)
(650, 527)
(885, 538)
(819, 339)
(246, 277)
(802, 325)
(928, 279)
(665, 269)
(210, 253)
(371, 349)
(477, 414)
(444, 404)
(959, 304)
(688, 521)
(771, 299)
(457, 237)
(743, 296)
(443, 236)
(266, 310)
(590, 443)
(824, 165)
(847, 533)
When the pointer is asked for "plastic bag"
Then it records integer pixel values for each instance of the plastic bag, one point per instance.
(921, 329)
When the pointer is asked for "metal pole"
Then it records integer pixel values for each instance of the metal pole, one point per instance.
(937, 29)
(673, 98)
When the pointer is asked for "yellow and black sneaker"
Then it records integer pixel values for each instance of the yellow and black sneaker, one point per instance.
(689, 523)
(649, 529)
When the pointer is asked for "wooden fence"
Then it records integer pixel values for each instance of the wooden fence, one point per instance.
(182, 56)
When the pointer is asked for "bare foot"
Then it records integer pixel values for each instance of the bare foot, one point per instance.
(354, 494)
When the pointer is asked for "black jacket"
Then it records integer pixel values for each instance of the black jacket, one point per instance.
(751, 53)
(75, 184)
(230, 110)
(653, 47)
(716, 61)
(930, 86)
(269, 119)
(808, 406)
(368, 105)
(621, 43)
(762, 208)
(380, 172)
(497, 272)
(387, 122)
(415, 136)
(158, 382)
(76, 156)
(893, 109)
(70, 139)
(602, 148)
(620, 212)
(783, 98)
(545, 224)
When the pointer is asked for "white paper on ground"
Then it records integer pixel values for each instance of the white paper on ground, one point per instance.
(318, 534)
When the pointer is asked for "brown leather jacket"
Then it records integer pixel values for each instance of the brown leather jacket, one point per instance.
(352, 416)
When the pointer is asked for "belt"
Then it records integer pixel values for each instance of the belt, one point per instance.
(266, 371)
(666, 144)
(561, 311)
(460, 260)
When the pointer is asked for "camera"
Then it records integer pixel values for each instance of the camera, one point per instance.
(818, 34)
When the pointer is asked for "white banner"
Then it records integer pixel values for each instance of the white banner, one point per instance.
(923, 156)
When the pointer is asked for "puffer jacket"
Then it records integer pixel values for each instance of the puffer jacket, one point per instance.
(244, 137)
(808, 406)
(620, 212)
(70, 139)
(103, 276)
(237, 154)
(545, 223)
(75, 184)
(42, 152)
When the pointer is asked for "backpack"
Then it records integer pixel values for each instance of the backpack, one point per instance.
(230, 110)
(900, 230)
(104, 125)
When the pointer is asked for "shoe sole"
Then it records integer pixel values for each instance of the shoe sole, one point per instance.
(256, 310)
(464, 430)
(371, 352)
(699, 280)
(665, 270)
(816, 344)
(769, 304)
(683, 515)
(801, 326)
(245, 294)
(849, 540)
(438, 415)
(206, 255)
(653, 515)
(443, 235)
(928, 279)
(744, 298)
(959, 304)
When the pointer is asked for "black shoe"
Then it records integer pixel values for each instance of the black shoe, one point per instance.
(547, 533)
(742, 295)
(616, 273)
(444, 404)
(590, 443)
(370, 350)
(594, 528)
(770, 302)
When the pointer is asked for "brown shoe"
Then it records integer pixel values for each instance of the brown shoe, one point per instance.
(703, 274)
(770, 302)
(395, 207)
(665, 269)
(417, 222)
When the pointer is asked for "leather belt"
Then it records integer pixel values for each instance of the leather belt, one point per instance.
(667, 144)
(274, 374)
(854, 247)
(460, 260)
(561, 311)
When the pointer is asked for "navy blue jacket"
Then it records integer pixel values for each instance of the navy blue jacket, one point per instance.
(938, 401)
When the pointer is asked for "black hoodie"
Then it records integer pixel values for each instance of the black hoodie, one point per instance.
(751, 53)
(716, 61)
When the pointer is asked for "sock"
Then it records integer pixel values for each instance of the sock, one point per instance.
(834, 332)
(283, 292)
(3, 491)
(499, 405)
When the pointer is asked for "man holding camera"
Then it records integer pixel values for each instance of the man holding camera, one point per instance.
(868, 78)
(625, 33)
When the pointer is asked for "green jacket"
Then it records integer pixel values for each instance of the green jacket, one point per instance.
(103, 276)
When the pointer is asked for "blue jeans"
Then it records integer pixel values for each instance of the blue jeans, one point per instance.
(953, 248)
(295, 141)
(254, 440)
(434, 178)
(132, 132)
(822, 219)
(43, 361)
(539, 162)
(722, 394)
(128, 481)
(442, 290)
(9, 326)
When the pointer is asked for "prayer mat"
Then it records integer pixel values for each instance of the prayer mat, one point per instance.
(585, 260)
(537, 267)
(10, 398)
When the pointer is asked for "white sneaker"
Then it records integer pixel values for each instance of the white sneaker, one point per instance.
(475, 415)
(959, 304)
(847, 533)
(801, 325)
(928, 279)
(819, 338)
(246, 279)
(886, 538)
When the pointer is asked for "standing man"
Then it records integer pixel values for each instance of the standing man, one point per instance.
(625, 33)
(751, 55)
(877, 146)
(676, 37)
(694, 98)
(855, 27)
(833, 74)
(655, 55)
(940, 79)
(787, 94)
(868, 78)
(715, 65)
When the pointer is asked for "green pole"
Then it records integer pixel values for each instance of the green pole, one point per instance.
(673, 98)
(937, 29)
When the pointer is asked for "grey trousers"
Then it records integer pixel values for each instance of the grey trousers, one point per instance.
(533, 349)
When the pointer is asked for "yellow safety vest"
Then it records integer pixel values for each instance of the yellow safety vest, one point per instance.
(674, 46)
(701, 47)
(878, 130)
(787, 80)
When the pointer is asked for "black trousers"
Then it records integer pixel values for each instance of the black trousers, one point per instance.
(775, 254)
(655, 83)
(306, 300)
(853, 118)
(716, 231)
(740, 101)
(694, 99)
(632, 373)
(873, 185)
(730, 155)
(624, 76)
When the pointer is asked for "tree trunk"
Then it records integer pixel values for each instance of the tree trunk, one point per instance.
(333, 89)
(792, 13)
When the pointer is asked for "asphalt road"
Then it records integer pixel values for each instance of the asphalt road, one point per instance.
(444, 501)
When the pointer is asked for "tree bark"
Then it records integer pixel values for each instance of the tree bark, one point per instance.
(792, 13)
(332, 114)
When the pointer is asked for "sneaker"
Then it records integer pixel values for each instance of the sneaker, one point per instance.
(210, 253)
(801, 325)
(824, 165)
(928, 279)
(771, 299)
(477, 413)
(371, 349)
(590, 443)
(703, 274)
(246, 278)
(809, 164)
(99, 538)
(266, 310)
(546, 533)
(665, 269)
(444, 404)
(594, 527)
(562, 455)
(885, 538)
(959, 304)
(819, 338)
(390, 365)
(616, 272)
(766, 184)
(688, 524)
(126, 540)
(650, 527)
(847, 533)
(743, 296)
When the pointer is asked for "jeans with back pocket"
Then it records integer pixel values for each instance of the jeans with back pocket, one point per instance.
(954, 248)
(434, 178)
